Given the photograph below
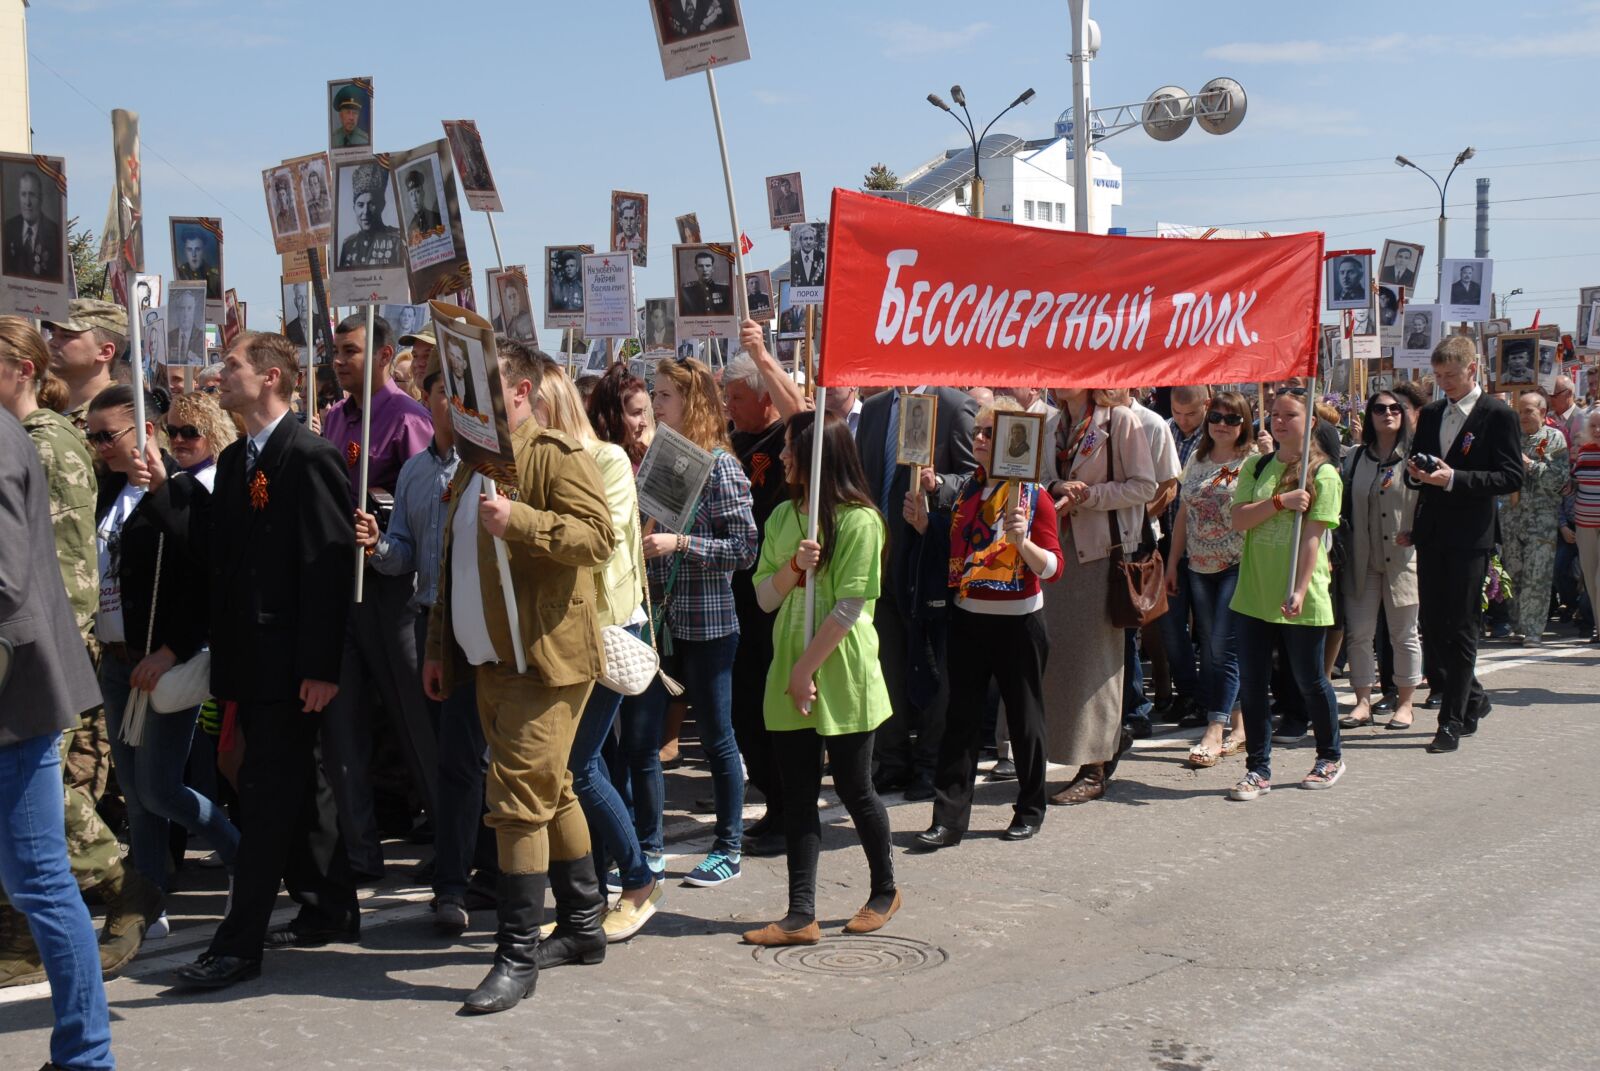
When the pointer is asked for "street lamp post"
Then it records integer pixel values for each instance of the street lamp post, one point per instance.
(960, 98)
(1462, 157)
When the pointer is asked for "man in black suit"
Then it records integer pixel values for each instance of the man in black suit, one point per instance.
(1466, 290)
(910, 622)
(282, 550)
(1477, 441)
(32, 243)
(704, 296)
(1402, 270)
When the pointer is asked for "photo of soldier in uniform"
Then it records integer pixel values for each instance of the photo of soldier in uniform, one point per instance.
(630, 225)
(369, 230)
(282, 212)
(472, 165)
(758, 295)
(349, 118)
(684, 19)
(198, 252)
(420, 208)
(1519, 362)
(705, 282)
(32, 240)
(671, 477)
(785, 200)
(458, 380)
(314, 184)
(513, 310)
(563, 285)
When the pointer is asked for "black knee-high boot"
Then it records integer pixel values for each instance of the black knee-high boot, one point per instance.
(516, 957)
(579, 936)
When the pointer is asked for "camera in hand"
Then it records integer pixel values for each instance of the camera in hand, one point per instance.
(381, 505)
(1425, 462)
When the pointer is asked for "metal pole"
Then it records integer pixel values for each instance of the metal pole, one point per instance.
(1300, 517)
(1080, 114)
(740, 294)
(570, 357)
(813, 504)
(495, 238)
(366, 443)
(977, 193)
(1438, 291)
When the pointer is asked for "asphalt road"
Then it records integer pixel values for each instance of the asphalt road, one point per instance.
(1427, 912)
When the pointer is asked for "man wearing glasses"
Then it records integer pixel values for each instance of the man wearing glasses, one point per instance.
(1565, 411)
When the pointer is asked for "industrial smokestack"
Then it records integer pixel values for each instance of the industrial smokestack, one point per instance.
(1483, 218)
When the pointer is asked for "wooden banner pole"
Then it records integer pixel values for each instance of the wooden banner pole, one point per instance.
(741, 295)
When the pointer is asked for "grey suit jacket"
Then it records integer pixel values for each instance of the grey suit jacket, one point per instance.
(51, 681)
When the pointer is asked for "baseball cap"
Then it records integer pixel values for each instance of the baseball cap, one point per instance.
(425, 335)
(85, 314)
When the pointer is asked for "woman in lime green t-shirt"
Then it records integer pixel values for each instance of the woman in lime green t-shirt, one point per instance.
(1265, 501)
(828, 692)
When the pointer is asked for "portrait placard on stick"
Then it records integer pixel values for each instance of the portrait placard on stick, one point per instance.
(232, 318)
(197, 256)
(608, 295)
(659, 334)
(1518, 365)
(1349, 279)
(758, 296)
(689, 229)
(430, 218)
(510, 306)
(1591, 335)
(1420, 333)
(146, 291)
(1017, 447)
(349, 119)
(786, 203)
(695, 34)
(313, 192)
(807, 262)
(563, 286)
(153, 338)
(1399, 264)
(283, 209)
(35, 274)
(471, 371)
(919, 413)
(671, 476)
(186, 324)
(1468, 283)
(1588, 329)
(704, 278)
(630, 225)
(472, 164)
(127, 198)
(371, 267)
(1391, 300)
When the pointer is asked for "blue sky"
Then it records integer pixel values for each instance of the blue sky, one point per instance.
(572, 104)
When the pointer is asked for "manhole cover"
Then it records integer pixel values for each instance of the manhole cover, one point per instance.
(867, 955)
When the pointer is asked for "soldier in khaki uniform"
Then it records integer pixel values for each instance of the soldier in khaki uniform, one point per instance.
(92, 850)
(557, 527)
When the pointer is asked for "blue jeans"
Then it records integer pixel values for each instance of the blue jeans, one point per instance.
(1134, 704)
(1302, 645)
(151, 778)
(1215, 626)
(1180, 647)
(39, 884)
(611, 829)
(705, 668)
(460, 839)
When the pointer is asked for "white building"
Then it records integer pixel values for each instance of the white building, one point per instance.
(1026, 182)
(14, 133)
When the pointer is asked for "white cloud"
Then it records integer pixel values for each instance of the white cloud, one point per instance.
(1579, 41)
(904, 37)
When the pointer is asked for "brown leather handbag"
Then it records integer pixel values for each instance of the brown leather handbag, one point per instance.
(1138, 591)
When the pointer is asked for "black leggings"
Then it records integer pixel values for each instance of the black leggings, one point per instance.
(799, 755)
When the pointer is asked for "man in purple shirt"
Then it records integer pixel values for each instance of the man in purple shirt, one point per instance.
(380, 647)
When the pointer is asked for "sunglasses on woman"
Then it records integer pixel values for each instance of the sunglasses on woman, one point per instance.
(983, 431)
(1392, 408)
(1233, 420)
(188, 431)
(106, 438)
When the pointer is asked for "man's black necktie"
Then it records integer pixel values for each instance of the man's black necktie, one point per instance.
(251, 456)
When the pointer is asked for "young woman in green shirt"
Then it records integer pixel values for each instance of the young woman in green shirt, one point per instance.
(828, 693)
(1265, 501)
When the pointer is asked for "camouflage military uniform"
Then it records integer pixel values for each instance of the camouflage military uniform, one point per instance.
(1528, 530)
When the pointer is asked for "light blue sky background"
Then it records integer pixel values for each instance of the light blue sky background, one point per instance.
(572, 104)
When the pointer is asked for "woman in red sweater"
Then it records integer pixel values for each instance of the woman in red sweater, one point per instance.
(997, 633)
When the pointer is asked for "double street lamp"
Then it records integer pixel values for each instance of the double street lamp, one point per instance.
(1461, 157)
(966, 124)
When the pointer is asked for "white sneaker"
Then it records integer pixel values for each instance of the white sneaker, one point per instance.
(158, 929)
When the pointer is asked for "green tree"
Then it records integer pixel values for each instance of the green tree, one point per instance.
(90, 275)
(879, 177)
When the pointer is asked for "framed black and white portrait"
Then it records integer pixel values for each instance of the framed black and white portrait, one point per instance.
(511, 308)
(694, 34)
(1468, 283)
(1400, 263)
(918, 415)
(703, 278)
(807, 262)
(660, 334)
(34, 232)
(563, 286)
(1017, 448)
(349, 119)
(283, 211)
(630, 225)
(785, 200)
(1349, 281)
(1518, 365)
(758, 296)
(472, 165)
(187, 340)
(671, 477)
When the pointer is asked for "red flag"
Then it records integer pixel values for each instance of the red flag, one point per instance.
(745, 244)
(917, 296)
(1535, 325)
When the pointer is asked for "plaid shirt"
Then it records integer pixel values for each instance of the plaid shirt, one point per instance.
(722, 540)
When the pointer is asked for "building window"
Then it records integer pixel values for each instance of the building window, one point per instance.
(1061, 212)
(1027, 209)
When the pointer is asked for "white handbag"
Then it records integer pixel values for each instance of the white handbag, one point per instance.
(631, 663)
(183, 687)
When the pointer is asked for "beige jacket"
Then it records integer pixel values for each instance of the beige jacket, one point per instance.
(617, 584)
(1397, 507)
(560, 531)
(1126, 491)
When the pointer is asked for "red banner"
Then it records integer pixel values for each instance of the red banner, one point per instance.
(921, 297)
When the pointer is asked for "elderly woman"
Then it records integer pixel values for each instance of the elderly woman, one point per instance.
(1382, 571)
(1106, 478)
(1528, 519)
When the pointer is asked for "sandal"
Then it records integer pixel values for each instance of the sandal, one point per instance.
(1203, 758)
(1233, 744)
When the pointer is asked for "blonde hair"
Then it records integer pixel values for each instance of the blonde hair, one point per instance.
(565, 406)
(703, 422)
(1003, 403)
(1456, 350)
(20, 342)
(203, 412)
(1110, 397)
